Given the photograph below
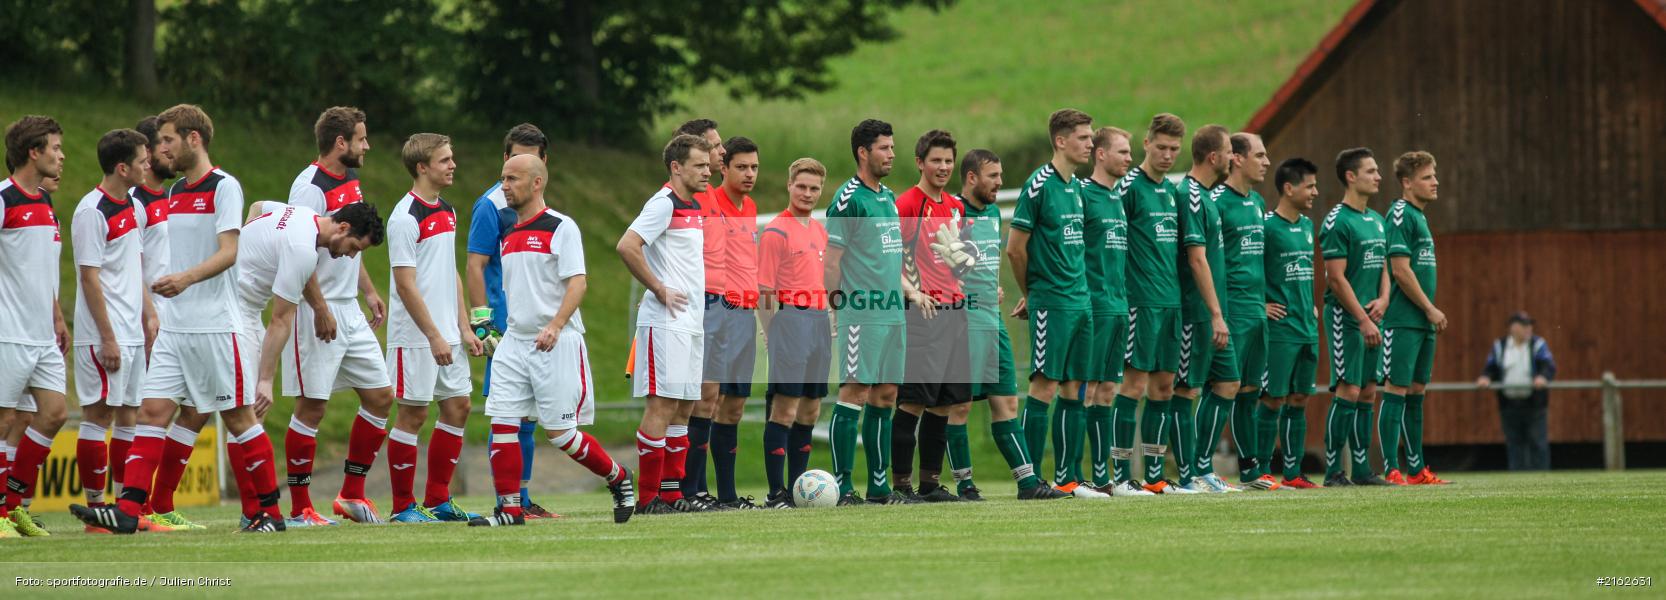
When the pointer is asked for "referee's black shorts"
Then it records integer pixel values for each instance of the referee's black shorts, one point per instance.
(800, 352)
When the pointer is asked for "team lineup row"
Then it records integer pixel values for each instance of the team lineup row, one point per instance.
(526, 268)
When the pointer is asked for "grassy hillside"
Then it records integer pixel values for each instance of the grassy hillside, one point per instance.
(990, 72)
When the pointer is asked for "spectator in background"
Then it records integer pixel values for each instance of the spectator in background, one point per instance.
(1521, 363)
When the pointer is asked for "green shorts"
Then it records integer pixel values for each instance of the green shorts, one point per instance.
(992, 370)
(1408, 355)
(1351, 361)
(1153, 339)
(1200, 361)
(1061, 344)
(1292, 368)
(871, 354)
(1249, 340)
(1110, 346)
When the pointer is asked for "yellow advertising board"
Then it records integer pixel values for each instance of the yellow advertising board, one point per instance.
(60, 479)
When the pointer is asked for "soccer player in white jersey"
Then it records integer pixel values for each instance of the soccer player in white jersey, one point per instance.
(427, 334)
(663, 250)
(200, 358)
(334, 348)
(543, 366)
(32, 332)
(275, 260)
(111, 303)
(489, 220)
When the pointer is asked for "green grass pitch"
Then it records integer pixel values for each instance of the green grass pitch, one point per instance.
(1489, 535)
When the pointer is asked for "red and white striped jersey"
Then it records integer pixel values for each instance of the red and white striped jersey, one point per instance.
(674, 231)
(539, 255)
(276, 256)
(153, 208)
(29, 245)
(198, 212)
(422, 235)
(106, 234)
(323, 192)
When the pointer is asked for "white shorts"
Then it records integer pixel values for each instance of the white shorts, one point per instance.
(353, 360)
(669, 363)
(23, 367)
(124, 387)
(553, 386)
(210, 372)
(418, 380)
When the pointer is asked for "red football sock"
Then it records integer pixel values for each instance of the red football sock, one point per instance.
(31, 452)
(90, 456)
(651, 467)
(300, 446)
(506, 465)
(5, 471)
(257, 459)
(176, 454)
(444, 447)
(402, 459)
(676, 463)
(121, 443)
(584, 449)
(363, 442)
(141, 468)
(245, 480)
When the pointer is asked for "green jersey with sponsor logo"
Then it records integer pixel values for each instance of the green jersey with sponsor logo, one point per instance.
(1288, 260)
(1243, 242)
(1409, 236)
(982, 232)
(1107, 248)
(863, 221)
(1200, 225)
(1050, 209)
(1360, 238)
(1153, 240)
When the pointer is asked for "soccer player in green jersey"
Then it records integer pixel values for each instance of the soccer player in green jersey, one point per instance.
(1047, 254)
(1153, 282)
(1411, 322)
(1354, 244)
(1107, 258)
(1242, 214)
(1292, 318)
(990, 350)
(864, 275)
(1206, 352)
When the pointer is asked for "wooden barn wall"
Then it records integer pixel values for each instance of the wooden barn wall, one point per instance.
(1543, 114)
(1597, 297)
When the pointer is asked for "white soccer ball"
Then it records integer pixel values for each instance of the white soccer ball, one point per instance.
(817, 489)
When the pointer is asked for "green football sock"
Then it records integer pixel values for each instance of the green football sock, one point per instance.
(1293, 424)
(1339, 423)
(1009, 438)
(1123, 420)
(1183, 433)
(1154, 437)
(1243, 436)
(1360, 442)
(960, 454)
(1212, 416)
(1035, 430)
(1099, 439)
(876, 446)
(1414, 433)
(1266, 436)
(846, 419)
(1069, 427)
(1388, 429)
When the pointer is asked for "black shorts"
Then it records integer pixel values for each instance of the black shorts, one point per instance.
(800, 352)
(938, 370)
(731, 346)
